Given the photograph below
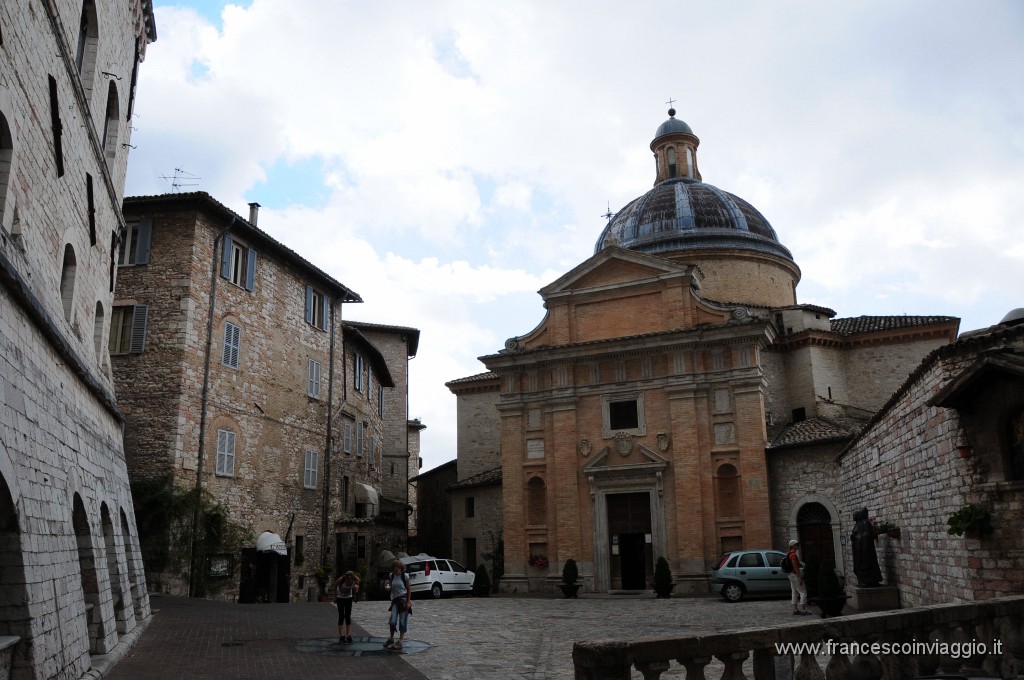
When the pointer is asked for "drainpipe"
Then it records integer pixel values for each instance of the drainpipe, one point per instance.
(328, 445)
(217, 242)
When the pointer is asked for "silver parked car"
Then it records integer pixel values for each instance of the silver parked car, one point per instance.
(750, 572)
(437, 576)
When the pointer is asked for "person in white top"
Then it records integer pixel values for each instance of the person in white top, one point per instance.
(345, 588)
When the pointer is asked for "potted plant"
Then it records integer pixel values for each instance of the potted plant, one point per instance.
(663, 584)
(570, 574)
(889, 529)
(831, 597)
(971, 520)
(482, 583)
(323, 575)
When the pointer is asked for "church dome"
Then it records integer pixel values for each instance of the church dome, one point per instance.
(687, 214)
(682, 213)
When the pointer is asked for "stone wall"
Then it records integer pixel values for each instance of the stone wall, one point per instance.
(800, 475)
(905, 468)
(485, 522)
(479, 430)
(73, 583)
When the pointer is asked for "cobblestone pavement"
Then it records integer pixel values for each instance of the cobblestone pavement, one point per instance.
(465, 638)
(531, 638)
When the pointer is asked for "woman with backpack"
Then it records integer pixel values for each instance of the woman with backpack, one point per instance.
(401, 606)
(791, 565)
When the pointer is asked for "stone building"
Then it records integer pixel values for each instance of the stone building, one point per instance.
(952, 435)
(415, 427)
(434, 510)
(73, 586)
(240, 378)
(475, 497)
(640, 418)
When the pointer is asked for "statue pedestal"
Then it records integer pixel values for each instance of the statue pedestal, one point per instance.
(876, 599)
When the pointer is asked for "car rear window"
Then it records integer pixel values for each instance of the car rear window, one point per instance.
(751, 560)
(722, 561)
(418, 566)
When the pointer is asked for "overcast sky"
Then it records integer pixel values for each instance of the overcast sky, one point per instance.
(447, 159)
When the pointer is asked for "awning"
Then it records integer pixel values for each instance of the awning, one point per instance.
(271, 542)
(364, 493)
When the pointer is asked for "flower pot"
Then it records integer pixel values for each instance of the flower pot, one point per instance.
(569, 590)
(831, 606)
(664, 591)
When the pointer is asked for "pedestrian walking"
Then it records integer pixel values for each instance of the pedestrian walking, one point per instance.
(401, 606)
(345, 588)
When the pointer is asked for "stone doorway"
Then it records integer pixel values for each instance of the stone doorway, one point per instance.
(814, 526)
(629, 529)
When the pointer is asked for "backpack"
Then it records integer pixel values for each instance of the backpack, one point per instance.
(787, 565)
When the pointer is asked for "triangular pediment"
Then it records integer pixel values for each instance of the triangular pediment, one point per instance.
(610, 459)
(614, 267)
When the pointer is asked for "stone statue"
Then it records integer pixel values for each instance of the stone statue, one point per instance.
(865, 561)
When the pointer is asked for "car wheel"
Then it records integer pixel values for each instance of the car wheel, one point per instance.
(733, 592)
(435, 591)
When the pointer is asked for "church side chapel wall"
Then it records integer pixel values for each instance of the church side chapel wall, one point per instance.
(870, 368)
(906, 470)
(802, 475)
(479, 431)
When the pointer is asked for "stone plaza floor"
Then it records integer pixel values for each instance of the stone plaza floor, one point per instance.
(463, 638)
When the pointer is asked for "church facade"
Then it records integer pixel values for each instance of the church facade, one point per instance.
(672, 371)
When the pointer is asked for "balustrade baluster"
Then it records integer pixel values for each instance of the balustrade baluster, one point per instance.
(865, 667)
(694, 666)
(808, 668)
(838, 667)
(733, 665)
(949, 665)
(924, 663)
(1013, 644)
(652, 670)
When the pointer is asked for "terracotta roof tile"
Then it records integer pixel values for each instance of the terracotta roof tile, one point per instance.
(814, 430)
(868, 324)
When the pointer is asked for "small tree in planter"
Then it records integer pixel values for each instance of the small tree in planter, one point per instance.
(570, 575)
(482, 584)
(971, 520)
(663, 584)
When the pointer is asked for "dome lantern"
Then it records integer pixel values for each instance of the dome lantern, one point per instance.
(675, 150)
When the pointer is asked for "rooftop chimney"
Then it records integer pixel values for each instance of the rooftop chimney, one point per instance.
(254, 213)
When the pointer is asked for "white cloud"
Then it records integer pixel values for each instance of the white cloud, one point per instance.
(469, 149)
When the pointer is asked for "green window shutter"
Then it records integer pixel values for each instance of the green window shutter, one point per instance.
(250, 269)
(145, 240)
(225, 258)
(140, 318)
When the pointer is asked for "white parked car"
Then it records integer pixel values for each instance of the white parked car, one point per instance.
(437, 576)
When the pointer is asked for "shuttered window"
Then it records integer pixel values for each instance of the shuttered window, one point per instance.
(238, 264)
(316, 308)
(225, 453)
(232, 342)
(348, 438)
(135, 243)
(314, 379)
(359, 440)
(309, 471)
(128, 329)
(358, 373)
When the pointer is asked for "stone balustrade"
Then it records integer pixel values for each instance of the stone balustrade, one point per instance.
(977, 638)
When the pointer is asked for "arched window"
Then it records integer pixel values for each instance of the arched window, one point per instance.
(6, 156)
(112, 124)
(672, 171)
(67, 280)
(97, 333)
(88, 44)
(87, 573)
(727, 491)
(536, 502)
(689, 162)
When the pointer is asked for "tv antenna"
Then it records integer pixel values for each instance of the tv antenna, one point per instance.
(181, 179)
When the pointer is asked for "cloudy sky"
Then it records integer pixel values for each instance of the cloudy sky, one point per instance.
(447, 159)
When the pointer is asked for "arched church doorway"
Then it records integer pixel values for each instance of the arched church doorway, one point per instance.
(14, 617)
(814, 526)
(629, 536)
